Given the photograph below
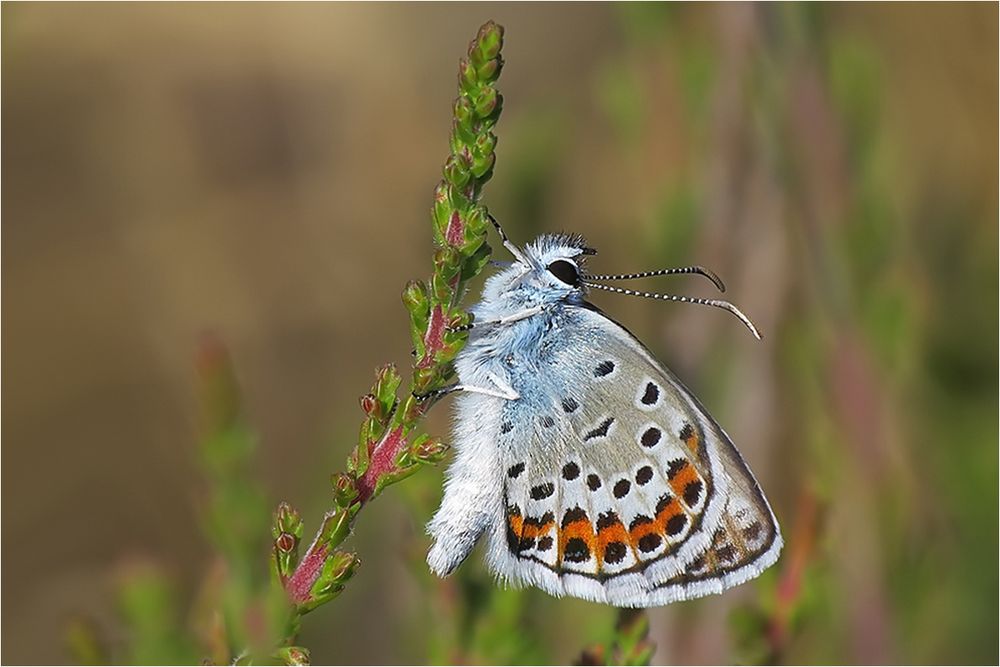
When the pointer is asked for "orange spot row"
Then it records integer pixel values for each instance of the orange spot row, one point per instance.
(684, 476)
(641, 530)
(582, 529)
(516, 523)
(612, 533)
(527, 529)
(671, 510)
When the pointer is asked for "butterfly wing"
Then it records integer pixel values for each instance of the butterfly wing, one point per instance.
(618, 486)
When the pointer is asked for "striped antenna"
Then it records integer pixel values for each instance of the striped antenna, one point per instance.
(700, 270)
(725, 305)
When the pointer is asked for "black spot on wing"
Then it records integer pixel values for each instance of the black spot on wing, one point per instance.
(663, 502)
(575, 514)
(675, 466)
(651, 395)
(651, 437)
(622, 488)
(569, 405)
(515, 470)
(692, 492)
(576, 550)
(542, 491)
(601, 431)
(676, 524)
(639, 521)
(593, 482)
(606, 367)
(513, 539)
(649, 542)
(643, 475)
(686, 432)
(614, 553)
(570, 471)
(538, 522)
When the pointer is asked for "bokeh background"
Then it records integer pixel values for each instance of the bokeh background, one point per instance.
(265, 171)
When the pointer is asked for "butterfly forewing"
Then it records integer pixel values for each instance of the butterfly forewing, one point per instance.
(618, 486)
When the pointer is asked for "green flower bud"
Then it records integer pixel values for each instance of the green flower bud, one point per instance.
(386, 383)
(476, 221)
(467, 76)
(286, 520)
(462, 111)
(292, 655)
(416, 300)
(462, 135)
(489, 41)
(484, 165)
(428, 450)
(485, 144)
(486, 102)
(447, 262)
(456, 171)
(488, 71)
(345, 491)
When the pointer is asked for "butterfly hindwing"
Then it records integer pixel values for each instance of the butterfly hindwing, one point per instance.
(618, 486)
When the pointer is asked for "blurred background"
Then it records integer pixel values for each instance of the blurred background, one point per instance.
(264, 172)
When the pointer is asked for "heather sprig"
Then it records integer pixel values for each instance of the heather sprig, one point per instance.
(390, 445)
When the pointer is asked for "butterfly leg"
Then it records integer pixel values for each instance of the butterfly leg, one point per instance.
(502, 390)
(516, 317)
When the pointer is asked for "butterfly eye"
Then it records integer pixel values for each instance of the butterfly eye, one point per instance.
(565, 271)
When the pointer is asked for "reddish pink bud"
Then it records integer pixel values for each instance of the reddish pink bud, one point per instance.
(285, 542)
(368, 403)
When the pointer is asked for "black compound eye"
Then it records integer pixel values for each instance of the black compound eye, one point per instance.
(565, 271)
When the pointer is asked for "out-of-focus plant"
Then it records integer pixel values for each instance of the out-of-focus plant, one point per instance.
(630, 644)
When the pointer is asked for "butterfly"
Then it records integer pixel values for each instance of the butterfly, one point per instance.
(589, 468)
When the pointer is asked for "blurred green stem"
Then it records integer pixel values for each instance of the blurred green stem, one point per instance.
(630, 644)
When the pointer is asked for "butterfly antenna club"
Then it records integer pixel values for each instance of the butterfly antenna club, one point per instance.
(716, 303)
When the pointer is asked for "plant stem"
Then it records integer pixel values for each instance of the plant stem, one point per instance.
(389, 446)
